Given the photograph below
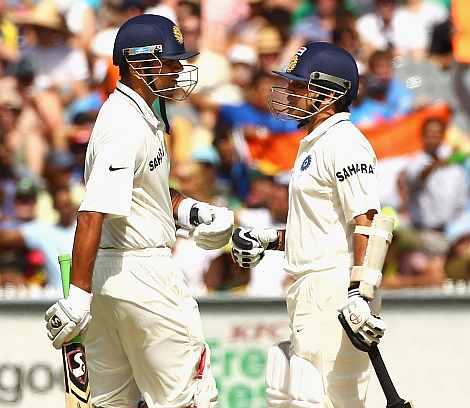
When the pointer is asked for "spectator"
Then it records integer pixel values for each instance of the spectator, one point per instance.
(329, 14)
(58, 175)
(378, 30)
(61, 72)
(197, 179)
(214, 69)
(224, 275)
(461, 71)
(440, 46)
(247, 30)
(438, 191)
(10, 174)
(51, 239)
(243, 62)
(457, 265)
(415, 20)
(9, 37)
(346, 37)
(15, 260)
(268, 278)
(254, 116)
(111, 15)
(165, 8)
(80, 19)
(269, 46)
(233, 172)
(20, 122)
(78, 137)
(387, 98)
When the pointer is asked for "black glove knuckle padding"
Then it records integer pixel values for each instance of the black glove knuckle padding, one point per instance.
(244, 241)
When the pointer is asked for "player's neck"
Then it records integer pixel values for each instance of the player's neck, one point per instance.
(319, 118)
(138, 86)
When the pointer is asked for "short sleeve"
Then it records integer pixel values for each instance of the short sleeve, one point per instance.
(110, 183)
(356, 180)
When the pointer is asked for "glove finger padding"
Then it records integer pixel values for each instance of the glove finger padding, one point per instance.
(205, 213)
(369, 328)
(374, 327)
(67, 318)
(247, 259)
(60, 325)
(217, 233)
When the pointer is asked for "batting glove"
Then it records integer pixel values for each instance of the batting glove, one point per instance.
(366, 327)
(248, 245)
(211, 226)
(69, 317)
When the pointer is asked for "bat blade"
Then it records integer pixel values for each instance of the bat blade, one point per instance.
(77, 385)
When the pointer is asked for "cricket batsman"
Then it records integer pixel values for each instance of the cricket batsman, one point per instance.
(141, 328)
(335, 240)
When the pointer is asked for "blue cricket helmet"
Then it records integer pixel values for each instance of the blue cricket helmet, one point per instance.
(143, 43)
(150, 30)
(329, 72)
(324, 58)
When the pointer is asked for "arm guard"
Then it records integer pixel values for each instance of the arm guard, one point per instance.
(369, 274)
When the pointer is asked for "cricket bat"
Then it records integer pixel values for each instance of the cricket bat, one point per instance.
(77, 386)
(390, 392)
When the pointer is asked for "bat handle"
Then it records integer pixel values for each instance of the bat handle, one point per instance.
(391, 394)
(65, 263)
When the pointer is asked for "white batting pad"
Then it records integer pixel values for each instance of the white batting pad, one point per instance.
(277, 375)
(305, 385)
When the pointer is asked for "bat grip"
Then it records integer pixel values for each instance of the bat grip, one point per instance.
(391, 394)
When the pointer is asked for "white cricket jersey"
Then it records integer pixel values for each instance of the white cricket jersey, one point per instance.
(333, 180)
(127, 174)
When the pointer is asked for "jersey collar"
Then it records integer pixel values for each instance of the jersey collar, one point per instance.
(139, 102)
(327, 124)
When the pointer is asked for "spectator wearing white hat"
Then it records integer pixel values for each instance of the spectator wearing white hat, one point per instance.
(61, 72)
(243, 62)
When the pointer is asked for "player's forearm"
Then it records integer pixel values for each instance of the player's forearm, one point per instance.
(280, 244)
(176, 198)
(85, 247)
(359, 240)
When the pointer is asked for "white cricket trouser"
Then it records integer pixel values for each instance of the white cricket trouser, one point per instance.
(145, 335)
(318, 337)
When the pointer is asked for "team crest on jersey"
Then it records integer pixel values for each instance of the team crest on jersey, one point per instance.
(306, 163)
(178, 34)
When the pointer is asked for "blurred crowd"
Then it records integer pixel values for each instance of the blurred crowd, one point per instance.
(226, 148)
